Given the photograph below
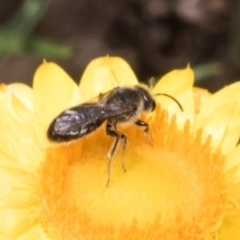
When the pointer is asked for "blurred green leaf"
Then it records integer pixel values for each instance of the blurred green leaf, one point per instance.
(11, 41)
(47, 48)
(28, 16)
(15, 42)
(15, 37)
(207, 70)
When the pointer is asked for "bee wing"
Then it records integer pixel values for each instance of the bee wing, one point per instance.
(82, 120)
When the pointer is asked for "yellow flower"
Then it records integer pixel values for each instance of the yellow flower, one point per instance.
(184, 185)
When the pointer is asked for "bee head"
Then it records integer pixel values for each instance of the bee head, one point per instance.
(149, 103)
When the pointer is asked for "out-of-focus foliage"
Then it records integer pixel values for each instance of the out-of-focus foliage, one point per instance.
(16, 35)
(154, 36)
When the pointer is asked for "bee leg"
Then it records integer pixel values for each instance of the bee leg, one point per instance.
(112, 131)
(141, 123)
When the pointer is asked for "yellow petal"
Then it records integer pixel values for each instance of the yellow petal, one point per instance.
(15, 186)
(17, 199)
(15, 222)
(232, 133)
(177, 83)
(36, 232)
(105, 73)
(35, 129)
(201, 96)
(230, 230)
(24, 93)
(54, 91)
(233, 162)
(229, 93)
(224, 126)
(21, 91)
(18, 135)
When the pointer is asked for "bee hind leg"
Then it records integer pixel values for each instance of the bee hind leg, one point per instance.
(112, 131)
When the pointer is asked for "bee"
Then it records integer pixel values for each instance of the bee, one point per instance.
(120, 105)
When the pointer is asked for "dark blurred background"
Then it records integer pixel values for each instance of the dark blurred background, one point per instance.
(154, 36)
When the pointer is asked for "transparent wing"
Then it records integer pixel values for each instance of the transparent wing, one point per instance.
(79, 121)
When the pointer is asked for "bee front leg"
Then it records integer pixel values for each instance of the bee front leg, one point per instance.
(141, 123)
(112, 131)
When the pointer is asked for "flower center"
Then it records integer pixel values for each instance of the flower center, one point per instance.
(174, 187)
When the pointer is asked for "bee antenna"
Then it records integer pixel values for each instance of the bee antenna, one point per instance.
(169, 96)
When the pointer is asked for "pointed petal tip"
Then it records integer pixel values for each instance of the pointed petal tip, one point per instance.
(104, 73)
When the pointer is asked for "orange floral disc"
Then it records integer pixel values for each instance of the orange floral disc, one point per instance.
(173, 188)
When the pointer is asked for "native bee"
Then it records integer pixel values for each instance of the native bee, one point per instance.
(120, 105)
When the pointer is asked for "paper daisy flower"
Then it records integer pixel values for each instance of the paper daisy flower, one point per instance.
(184, 185)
